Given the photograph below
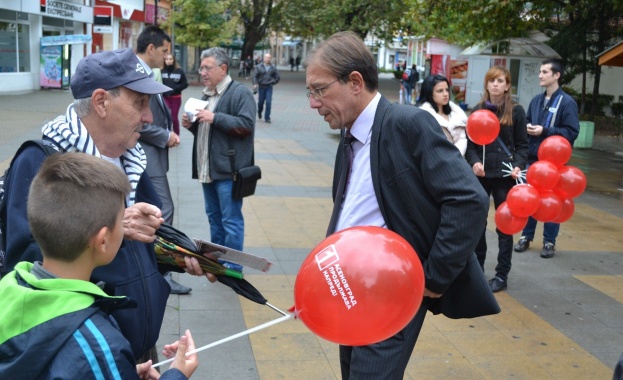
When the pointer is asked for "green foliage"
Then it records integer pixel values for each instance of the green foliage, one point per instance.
(200, 23)
(384, 19)
(617, 109)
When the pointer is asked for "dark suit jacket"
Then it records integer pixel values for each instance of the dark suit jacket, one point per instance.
(154, 138)
(428, 194)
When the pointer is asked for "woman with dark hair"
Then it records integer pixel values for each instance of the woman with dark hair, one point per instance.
(435, 98)
(173, 76)
(510, 147)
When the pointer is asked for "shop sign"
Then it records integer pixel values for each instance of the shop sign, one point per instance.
(66, 10)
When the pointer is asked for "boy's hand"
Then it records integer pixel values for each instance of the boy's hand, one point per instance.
(140, 222)
(186, 364)
(146, 372)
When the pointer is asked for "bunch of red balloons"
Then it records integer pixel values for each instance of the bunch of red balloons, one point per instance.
(548, 195)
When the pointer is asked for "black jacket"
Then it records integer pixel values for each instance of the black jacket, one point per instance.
(435, 210)
(514, 136)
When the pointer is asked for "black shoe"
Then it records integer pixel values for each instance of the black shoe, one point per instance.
(522, 244)
(259, 116)
(548, 251)
(267, 120)
(176, 288)
(497, 284)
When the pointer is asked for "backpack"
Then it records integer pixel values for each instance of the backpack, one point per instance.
(49, 148)
(406, 74)
(415, 77)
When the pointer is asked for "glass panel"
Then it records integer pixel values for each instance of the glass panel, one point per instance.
(58, 22)
(23, 40)
(8, 59)
(514, 69)
(7, 15)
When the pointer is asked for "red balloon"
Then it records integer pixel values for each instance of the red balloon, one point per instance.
(543, 175)
(523, 200)
(550, 208)
(482, 127)
(508, 223)
(555, 149)
(359, 286)
(572, 182)
(568, 207)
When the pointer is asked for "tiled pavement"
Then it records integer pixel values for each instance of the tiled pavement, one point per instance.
(561, 318)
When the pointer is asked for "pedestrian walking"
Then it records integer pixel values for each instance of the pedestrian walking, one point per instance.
(266, 76)
(173, 76)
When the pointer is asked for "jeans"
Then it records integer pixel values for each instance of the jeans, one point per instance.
(266, 94)
(550, 231)
(498, 188)
(224, 214)
(408, 92)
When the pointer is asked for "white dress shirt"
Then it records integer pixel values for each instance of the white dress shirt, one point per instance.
(360, 206)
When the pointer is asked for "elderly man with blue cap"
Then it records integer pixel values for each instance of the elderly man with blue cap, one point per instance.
(111, 91)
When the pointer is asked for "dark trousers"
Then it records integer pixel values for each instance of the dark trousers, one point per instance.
(174, 103)
(386, 360)
(266, 94)
(498, 188)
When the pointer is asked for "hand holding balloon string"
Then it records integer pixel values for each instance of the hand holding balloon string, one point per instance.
(521, 177)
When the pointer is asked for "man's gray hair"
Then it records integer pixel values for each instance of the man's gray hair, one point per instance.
(219, 55)
(82, 107)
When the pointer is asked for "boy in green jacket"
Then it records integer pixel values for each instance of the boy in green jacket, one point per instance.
(55, 323)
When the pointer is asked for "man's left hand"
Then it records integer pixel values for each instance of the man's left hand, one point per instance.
(429, 294)
(140, 222)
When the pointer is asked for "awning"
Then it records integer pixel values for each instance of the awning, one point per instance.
(613, 56)
(513, 47)
(291, 43)
(69, 39)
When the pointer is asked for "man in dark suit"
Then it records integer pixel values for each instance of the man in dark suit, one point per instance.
(157, 137)
(404, 176)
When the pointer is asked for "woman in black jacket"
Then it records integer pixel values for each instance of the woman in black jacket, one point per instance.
(173, 76)
(511, 147)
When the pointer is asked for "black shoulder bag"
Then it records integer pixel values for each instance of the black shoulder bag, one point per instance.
(245, 179)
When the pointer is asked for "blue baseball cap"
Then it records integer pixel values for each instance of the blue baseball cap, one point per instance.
(111, 69)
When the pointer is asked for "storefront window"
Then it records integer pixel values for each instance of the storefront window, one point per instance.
(14, 39)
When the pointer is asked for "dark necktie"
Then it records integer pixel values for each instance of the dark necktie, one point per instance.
(347, 163)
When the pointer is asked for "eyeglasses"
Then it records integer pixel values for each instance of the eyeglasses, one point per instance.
(206, 69)
(317, 92)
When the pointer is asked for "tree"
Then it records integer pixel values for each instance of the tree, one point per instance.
(199, 22)
(321, 18)
(578, 29)
(255, 16)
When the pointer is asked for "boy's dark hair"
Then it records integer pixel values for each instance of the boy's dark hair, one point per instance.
(72, 197)
(556, 64)
(151, 35)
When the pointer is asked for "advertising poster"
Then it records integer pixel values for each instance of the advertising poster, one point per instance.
(458, 77)
(51, 66)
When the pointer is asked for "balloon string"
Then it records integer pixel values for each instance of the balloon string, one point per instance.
(483, 157)
(235, 336)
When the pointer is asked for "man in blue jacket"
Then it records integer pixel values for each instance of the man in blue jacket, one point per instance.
(551, 113)
(111, 91)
